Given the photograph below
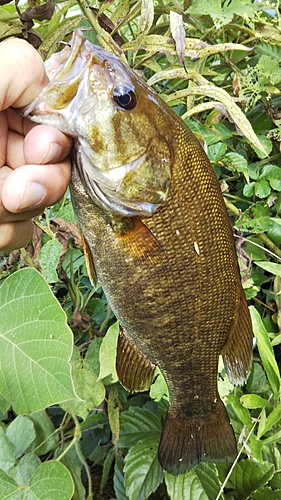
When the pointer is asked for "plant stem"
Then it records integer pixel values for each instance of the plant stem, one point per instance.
(269, 243)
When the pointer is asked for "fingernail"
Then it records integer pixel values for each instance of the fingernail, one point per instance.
(32, 195)
(53, 154)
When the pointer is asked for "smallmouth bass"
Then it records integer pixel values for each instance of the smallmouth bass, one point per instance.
(156, 229)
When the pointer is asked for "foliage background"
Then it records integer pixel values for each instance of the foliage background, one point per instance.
(76, 433)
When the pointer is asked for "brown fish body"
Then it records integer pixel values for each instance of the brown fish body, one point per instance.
(171, 278)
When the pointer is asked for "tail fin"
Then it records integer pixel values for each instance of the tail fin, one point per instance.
(185, 442)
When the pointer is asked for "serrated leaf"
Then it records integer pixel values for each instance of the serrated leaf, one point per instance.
(237, 162)
(118, 479)
(185, 487)
(248, 476)
(137, 423)
(48, 257)
(265, 351)
(35, 344)
(202, 483)
(50, 480)
(107, 354)
(143, 473)
(267, 493)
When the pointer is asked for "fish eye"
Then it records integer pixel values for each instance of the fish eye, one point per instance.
(124, 97)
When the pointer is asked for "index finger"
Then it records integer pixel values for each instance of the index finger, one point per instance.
(22, 73)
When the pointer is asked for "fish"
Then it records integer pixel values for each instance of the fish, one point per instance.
(158, 239)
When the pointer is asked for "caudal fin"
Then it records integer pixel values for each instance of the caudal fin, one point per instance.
(185, 442)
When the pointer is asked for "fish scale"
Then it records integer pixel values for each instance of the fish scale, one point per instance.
(158, 239)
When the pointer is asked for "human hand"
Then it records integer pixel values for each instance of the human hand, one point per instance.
(34, 169)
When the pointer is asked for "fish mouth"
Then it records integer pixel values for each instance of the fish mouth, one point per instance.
(112, 189)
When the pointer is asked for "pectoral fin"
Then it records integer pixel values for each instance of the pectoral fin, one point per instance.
(89, 262)
(134, 369)
(237, 353)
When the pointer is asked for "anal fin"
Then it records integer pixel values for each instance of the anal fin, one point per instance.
(237, 352)
(134, 369)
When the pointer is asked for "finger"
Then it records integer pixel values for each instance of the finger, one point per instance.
(35, 187)
(43, 144)
(22, 73)
(15, 235)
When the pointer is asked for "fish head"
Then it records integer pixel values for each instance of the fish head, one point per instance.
(123, 151)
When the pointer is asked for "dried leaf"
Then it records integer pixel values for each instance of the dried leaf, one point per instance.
(147, 17)
(237, 116)
(178, 34)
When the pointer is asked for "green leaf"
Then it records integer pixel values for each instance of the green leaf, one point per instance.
(46, 438)
(271, 267)
(255, 219)
(35, 344)
(136, 424)
(118, 479)
(107, 355)
(248, 476)
(237, 162)
(49, 256)
(21, 433)
(262, 189)
(252, 401)
(71, 461)
(143, 473)
(272, 419)
(266, 352)
(7, 455)
(9, 489)
(242, 413)
(50, 480)
(26, 468)
(185, 487)
(202, 483)
(267, 494)
(87, 386)
(159, 388)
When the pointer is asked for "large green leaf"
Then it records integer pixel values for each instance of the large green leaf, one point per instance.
(202, 483)
(137, 424)
(248, 476)
(51, 480)
(35, 344)
(143, 473)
